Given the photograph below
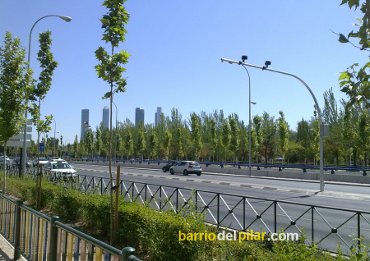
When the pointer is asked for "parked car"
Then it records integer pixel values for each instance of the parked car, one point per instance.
(168, 165)
(186, 167)
(61, 169)
(43, 161)
(8, 161)
(17, 162)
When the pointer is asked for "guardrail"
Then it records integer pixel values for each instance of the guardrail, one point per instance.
(37, 236)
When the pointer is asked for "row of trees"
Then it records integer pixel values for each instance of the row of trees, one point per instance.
(216, 137)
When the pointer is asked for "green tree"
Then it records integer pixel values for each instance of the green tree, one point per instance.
(110, 67)
(364, 135)
(75, 147)
(303, 138)
(268, 136)
(234, 136)
(355, 80)
(140, 141)
(283, 130)
(195, 134)
(213, 137)
(257, 136)
(225, 137)
(89, 143)
(48, 65)
(153, 145)
(333, 116)
(15, 82)
(167, 142)
(97, 142)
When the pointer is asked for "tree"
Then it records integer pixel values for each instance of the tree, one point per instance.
(234, 136)
(283, 130)
(15, 82)
(110, 67)
(355, 82)
(225, 137)
(97, 142)
(153, 145)
(48, 65)
(213, 137)
(303, 138)
(195, 134)
(89, 143)
(75, 147)
(140, 141)
(257, 136)
(333, 116)
(268, 136)
(167, 142)
(364, 135)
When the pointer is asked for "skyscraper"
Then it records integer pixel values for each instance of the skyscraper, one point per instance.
(139, 116)
(106, 117)
(84, 122)
(158, 116)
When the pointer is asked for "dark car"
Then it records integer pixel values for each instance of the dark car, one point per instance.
(169, 164)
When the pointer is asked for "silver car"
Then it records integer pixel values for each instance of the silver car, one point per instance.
(186, 167)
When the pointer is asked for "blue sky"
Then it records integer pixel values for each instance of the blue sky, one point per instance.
(175, 49)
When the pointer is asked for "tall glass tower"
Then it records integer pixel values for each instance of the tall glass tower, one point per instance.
(139, 117)
(106, 117)
(84, 122)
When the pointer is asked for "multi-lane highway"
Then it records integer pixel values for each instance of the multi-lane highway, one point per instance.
(351, 196)
(253, 206)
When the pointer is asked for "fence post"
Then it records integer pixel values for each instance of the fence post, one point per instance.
(275, 217)
(53, 239)
(359, 231)
(38, 187)
(17, 236)
(312, 225)
(218, 210)
(127, 252)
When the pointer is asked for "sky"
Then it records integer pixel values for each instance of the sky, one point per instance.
(175, 49)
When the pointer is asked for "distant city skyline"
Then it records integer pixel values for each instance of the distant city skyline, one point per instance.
(139, 118)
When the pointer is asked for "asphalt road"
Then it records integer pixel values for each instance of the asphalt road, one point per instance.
(235, 213)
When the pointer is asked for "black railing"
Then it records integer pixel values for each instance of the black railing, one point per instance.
(322, 225)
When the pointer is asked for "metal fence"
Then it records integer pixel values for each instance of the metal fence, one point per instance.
(37, 236)
(324, 226)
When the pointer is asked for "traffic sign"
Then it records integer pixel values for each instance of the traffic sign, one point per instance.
(41, 147)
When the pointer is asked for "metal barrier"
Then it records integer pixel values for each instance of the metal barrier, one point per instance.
(321, 225)
(40, 237)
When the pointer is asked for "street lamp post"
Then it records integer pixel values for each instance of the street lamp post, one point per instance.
(24, 150)
(265, 68)
(116, 136)
(244, 58)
